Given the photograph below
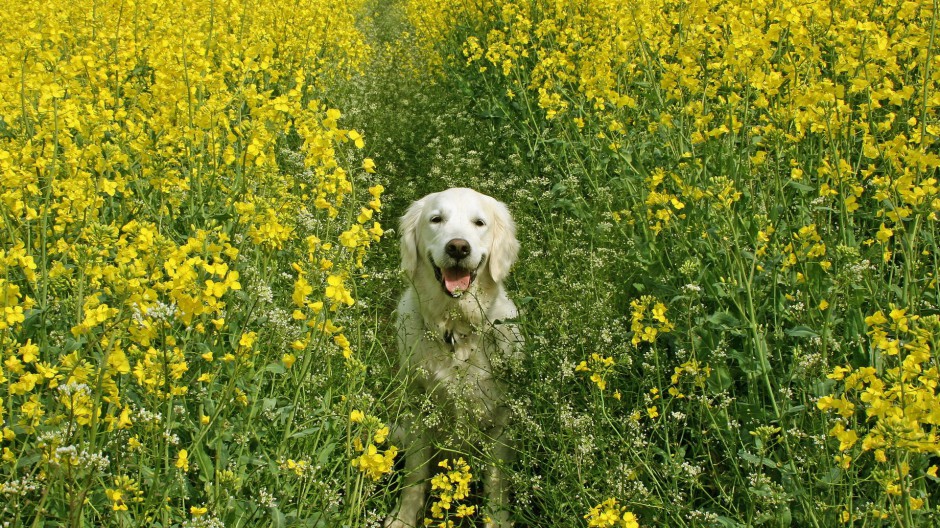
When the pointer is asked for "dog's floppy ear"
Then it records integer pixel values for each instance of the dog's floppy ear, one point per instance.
(409, 237)
(505, 247)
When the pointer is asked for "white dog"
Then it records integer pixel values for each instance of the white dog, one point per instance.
(456, 249)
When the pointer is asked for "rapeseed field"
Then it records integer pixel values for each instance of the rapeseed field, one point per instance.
(728, 280)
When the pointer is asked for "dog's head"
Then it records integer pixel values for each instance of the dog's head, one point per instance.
(458, 234)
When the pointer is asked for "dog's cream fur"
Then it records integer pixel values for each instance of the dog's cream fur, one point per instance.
(451, 341)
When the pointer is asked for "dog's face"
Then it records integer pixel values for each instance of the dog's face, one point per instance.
(458, 235)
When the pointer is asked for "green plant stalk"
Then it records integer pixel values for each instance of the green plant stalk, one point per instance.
(746, 276)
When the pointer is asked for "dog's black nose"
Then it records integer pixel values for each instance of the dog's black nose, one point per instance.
(457, 248)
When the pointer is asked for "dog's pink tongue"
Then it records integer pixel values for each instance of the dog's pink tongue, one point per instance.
(456, 279)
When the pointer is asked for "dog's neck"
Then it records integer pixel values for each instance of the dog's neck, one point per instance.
(454, 319)
(468, 310)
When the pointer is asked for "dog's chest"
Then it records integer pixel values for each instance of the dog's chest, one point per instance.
(456, 354)
(459, 375)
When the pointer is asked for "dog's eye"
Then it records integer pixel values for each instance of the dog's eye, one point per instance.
(479, 222)
(436, 219)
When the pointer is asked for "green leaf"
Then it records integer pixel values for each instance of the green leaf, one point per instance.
(748, 364)
(72, 344)
(27, 460)
(325, 453)
(833, 477)
(522, 301)
(801, 331)
(206, 467)
(720, 289)
(275, 368)
(720, 380)
(306, 432)
(753, 459)
(278, 519)
(802, 187)
(727, 521)
(724, 320)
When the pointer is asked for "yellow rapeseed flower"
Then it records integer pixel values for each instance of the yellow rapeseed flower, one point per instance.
(610, 514)
(182, 460)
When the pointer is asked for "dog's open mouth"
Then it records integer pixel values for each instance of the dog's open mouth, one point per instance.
(455, 280)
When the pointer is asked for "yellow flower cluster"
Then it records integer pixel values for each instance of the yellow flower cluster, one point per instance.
(599, 366)
(125, 490)
(320, 264)
(299, 468)
(662, 206)
(900, 403)
(15, 263)
(667, 197)
(152, 156)
(610, 514)
(855, 86)
(359, 237)
(648, 319)
(542, 47)
(807, 246)
(450, 486)
(692, 374)
(370, 432)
